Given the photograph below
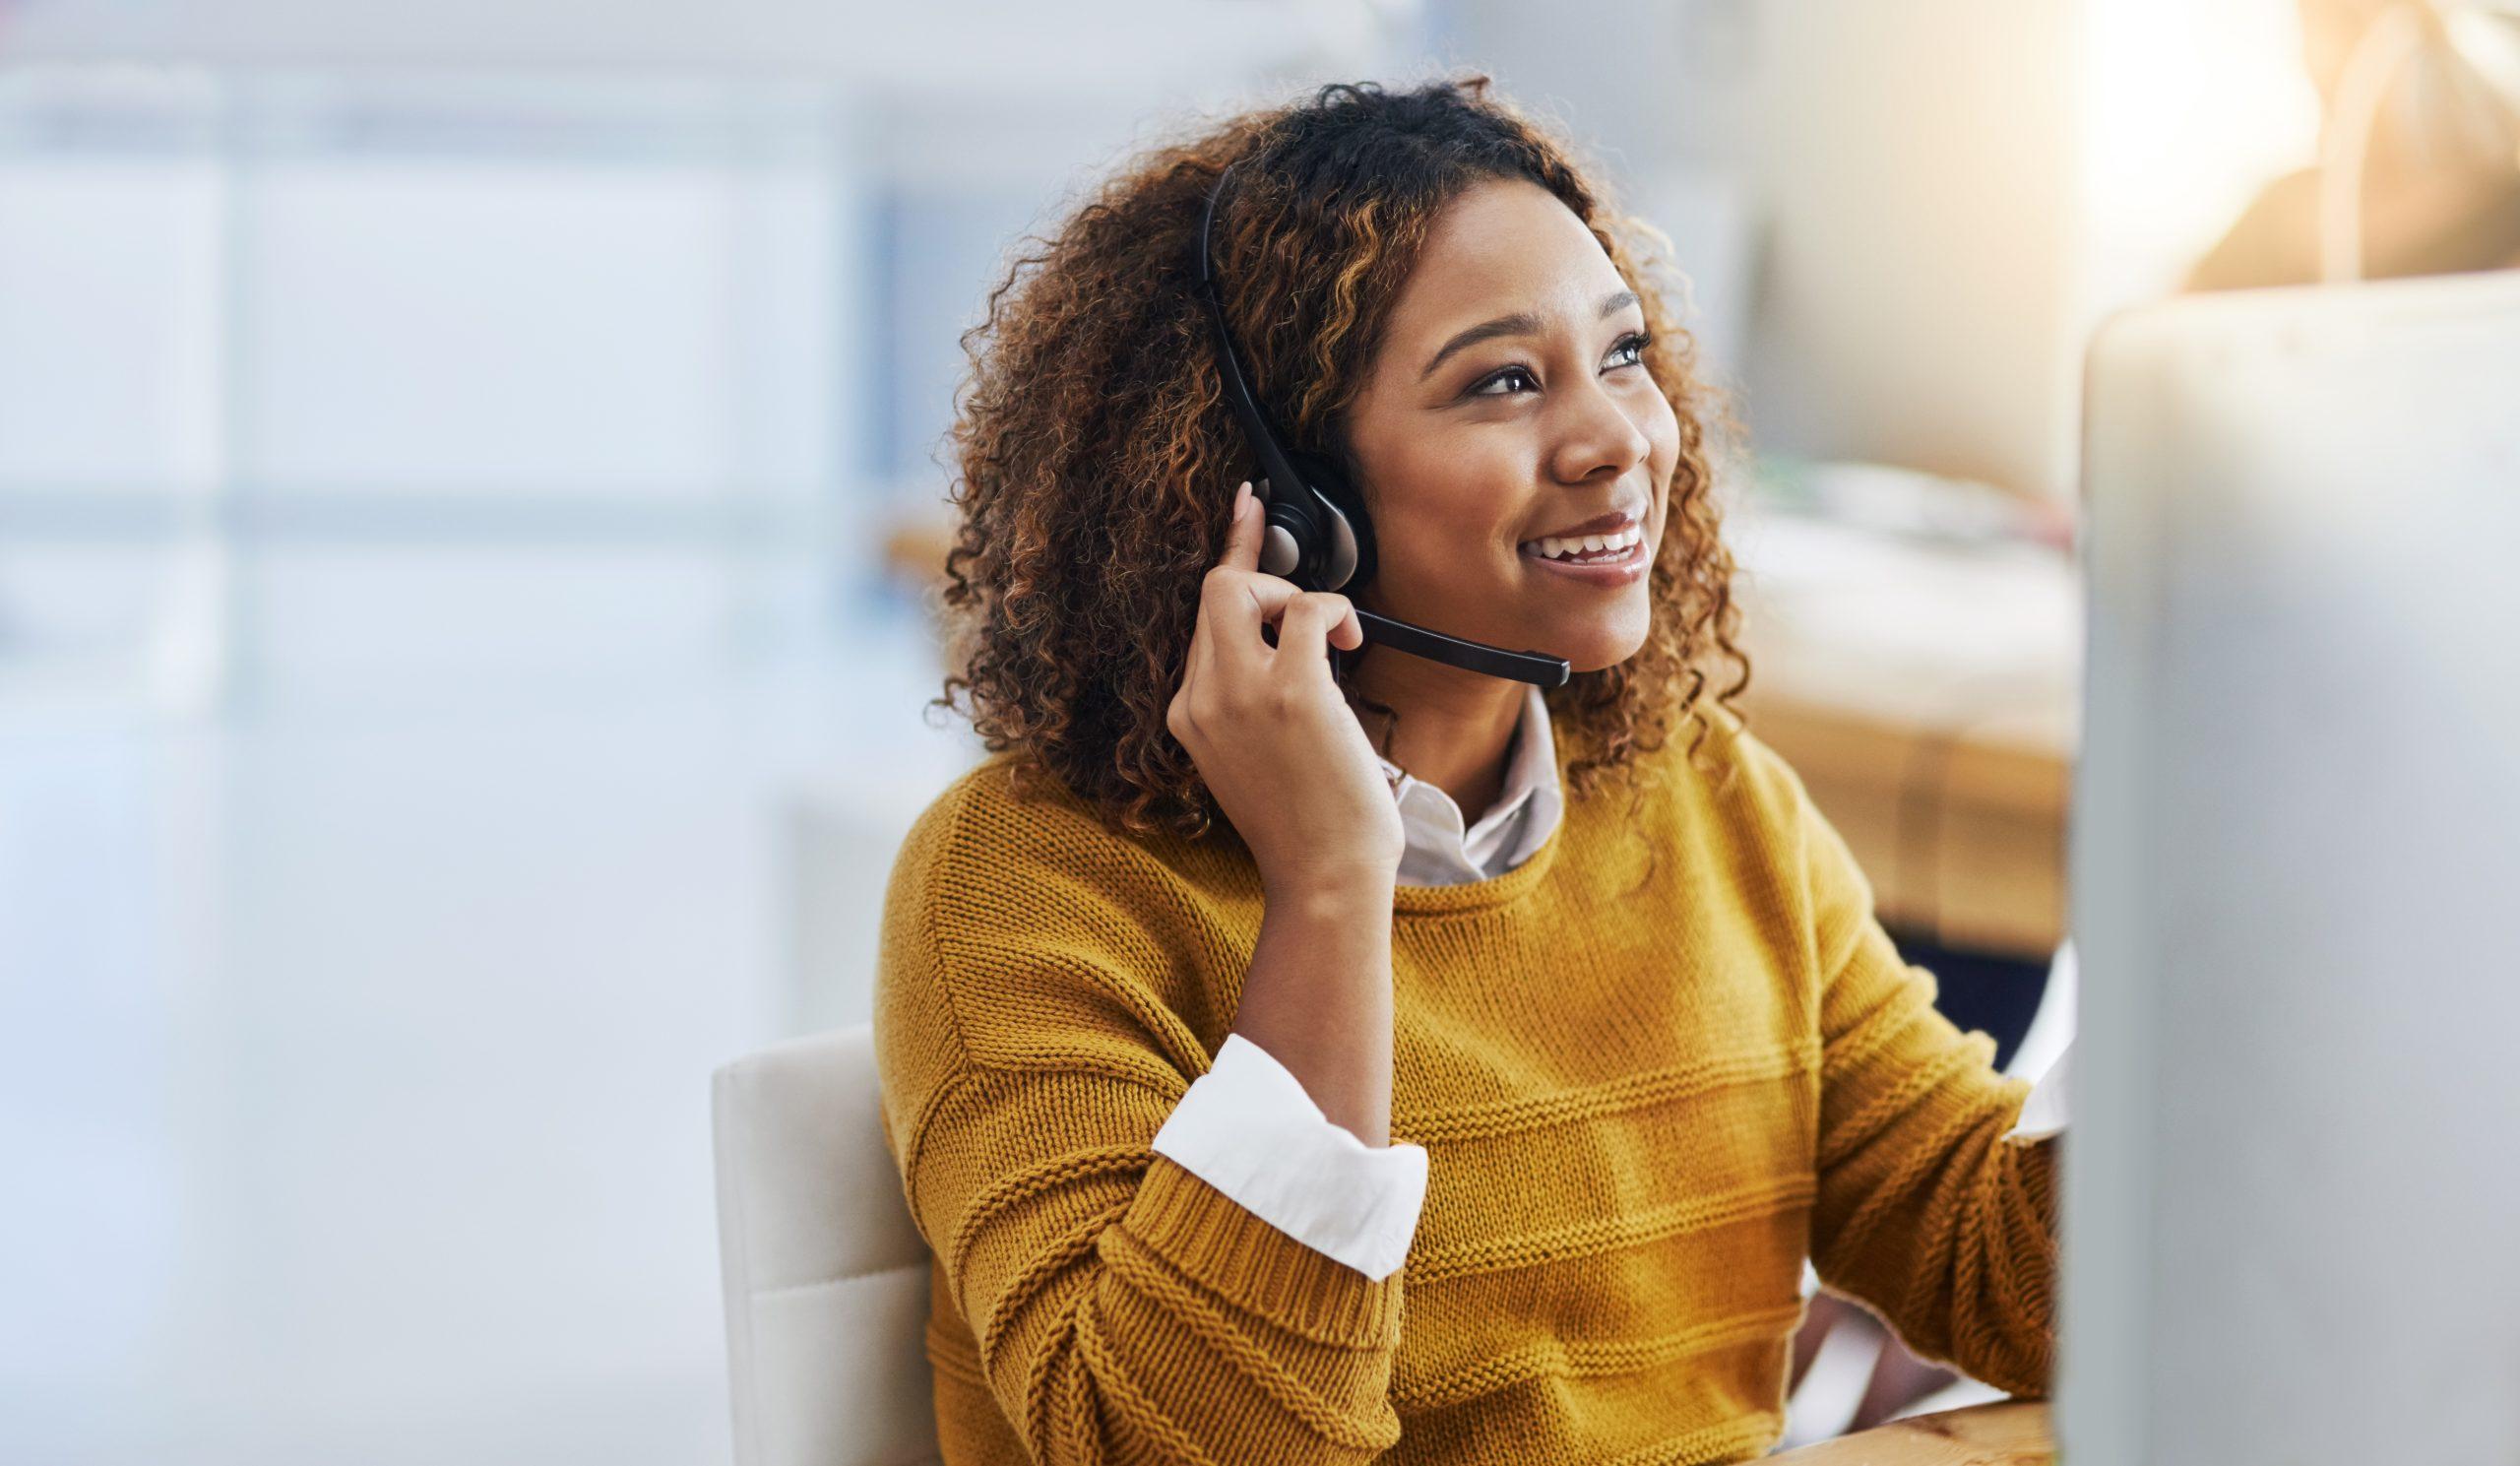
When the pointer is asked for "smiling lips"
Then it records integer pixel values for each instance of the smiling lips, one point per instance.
(1582, 549)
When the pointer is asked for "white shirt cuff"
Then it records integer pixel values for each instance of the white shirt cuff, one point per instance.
(2043, 1113)
(1247, 1128)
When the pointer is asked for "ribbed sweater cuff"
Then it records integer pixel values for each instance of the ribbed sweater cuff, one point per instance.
(1213, 1239)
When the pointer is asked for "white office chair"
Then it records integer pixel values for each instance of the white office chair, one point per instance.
(825, 1279)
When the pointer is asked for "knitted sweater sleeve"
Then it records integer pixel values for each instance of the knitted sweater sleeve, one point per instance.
(1926, 1210)
(1124, 1308)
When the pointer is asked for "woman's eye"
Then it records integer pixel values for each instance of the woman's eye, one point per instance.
(1508, 374)
(1630, 352)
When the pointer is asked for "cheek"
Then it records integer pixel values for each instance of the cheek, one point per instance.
(1663, 430)
(1450, 491)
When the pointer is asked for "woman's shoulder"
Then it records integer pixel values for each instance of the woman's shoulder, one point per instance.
(1010, 827)
(1021, 931)
(999, 806)
(1752, 792)
(1735, 776)
(1008, 861)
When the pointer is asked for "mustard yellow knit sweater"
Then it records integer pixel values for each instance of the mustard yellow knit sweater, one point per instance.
(1653, 1067)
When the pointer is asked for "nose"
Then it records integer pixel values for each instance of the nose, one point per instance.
(1597, 436)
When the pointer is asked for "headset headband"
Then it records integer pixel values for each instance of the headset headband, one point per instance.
(1281, 483)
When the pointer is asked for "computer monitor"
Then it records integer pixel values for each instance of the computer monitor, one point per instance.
(2292, 1221)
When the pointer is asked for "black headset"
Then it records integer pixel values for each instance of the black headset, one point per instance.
(1315, 528)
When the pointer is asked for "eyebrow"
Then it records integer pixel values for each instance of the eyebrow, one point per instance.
(1520, 323)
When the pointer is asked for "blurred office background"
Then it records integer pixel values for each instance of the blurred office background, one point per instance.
(467, 478)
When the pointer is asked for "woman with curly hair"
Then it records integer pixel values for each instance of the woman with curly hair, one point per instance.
(1256, 1104)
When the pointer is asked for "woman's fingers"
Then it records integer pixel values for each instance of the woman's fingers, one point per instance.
(1348, 633)
(1239, 603)
(1250, 601)
(1243, 537)
(1306, 624)
(1237, 598)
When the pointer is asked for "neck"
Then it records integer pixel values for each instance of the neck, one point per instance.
(1455, 728)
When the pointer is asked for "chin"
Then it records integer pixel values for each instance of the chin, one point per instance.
(1600, 647)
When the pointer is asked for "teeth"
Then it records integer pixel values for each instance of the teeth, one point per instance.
(1561, 546)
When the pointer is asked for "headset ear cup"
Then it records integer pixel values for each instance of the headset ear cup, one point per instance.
(1350, 560)
(1284, 551)
(1339, 556)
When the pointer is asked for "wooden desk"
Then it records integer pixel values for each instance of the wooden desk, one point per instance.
(1929, 697)
(2008, 1433)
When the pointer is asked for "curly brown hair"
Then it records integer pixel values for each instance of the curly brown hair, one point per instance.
(1094, 459)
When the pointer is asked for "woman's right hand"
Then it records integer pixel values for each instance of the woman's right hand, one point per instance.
(1270, 733)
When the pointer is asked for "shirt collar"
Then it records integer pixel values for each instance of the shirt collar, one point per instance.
(1439, 847)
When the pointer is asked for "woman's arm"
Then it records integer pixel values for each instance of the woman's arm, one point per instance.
(1279, 747)
(1301, 1134)
(1926, 1210)
(1124, 1308)
(1318, 999)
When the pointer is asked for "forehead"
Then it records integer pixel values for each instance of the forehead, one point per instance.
(1503, 245)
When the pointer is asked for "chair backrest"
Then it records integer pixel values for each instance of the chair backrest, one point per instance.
(826, 1278)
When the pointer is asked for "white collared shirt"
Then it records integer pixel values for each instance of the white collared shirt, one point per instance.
(1440, 851)
(1246, 1126)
